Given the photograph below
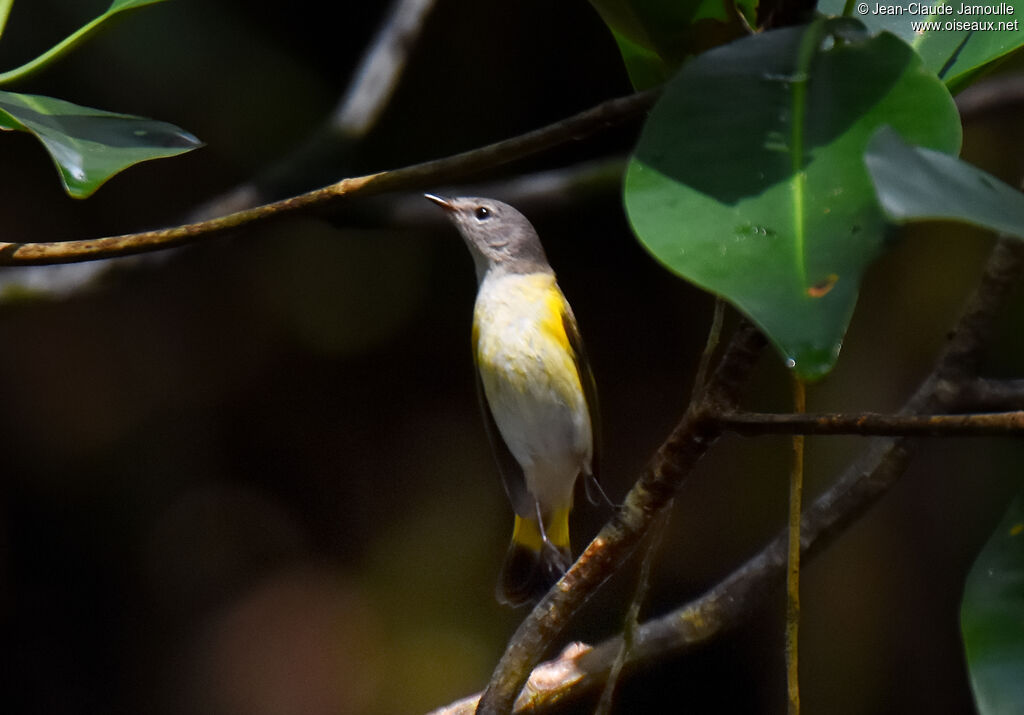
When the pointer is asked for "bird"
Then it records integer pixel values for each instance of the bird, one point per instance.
(536, 389)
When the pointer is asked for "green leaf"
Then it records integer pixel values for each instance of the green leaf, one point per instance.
(646, 69)
(72, 40)
(90, 145)
(952, 44)
(749, 178)
(656, 36)
(5, 12)
(915, 183)
(992, 618)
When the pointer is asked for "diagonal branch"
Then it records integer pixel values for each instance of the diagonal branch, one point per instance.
(671, 464)
(581, 670)
(417, 176)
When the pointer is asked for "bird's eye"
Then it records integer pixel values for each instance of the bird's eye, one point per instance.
(482, 213)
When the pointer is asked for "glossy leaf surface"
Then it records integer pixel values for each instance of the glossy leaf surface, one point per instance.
(953, 44)
(749, 178)
(915, 183)
(88, 145)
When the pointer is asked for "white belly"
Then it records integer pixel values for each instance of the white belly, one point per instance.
(532, 385)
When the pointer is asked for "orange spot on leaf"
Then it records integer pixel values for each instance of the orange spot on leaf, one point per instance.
(822, 288)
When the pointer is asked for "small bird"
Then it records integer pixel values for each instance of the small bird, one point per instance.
(537, 392)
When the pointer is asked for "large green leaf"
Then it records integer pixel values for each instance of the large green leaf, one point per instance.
(655, 36)
(992, 618)
(73, 40)
(915, 183)
(90, 145)
(749, 178)
(953, 44)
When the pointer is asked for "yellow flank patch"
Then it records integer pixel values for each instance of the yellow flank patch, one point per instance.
(1016, 529)
(518, 327)
(552, 323)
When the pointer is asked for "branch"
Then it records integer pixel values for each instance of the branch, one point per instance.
(986, 394)
(417, 176)
(368, 94)
(729, 602)
(873, 423)
(671, 464)
(540, 192)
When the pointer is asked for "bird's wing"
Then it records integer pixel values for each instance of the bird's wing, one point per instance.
(572, 332)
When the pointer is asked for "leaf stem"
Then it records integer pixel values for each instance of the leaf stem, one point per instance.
(801, 77)
(796, 487)
(62, 47)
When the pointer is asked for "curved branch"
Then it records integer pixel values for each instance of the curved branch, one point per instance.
(417, 176)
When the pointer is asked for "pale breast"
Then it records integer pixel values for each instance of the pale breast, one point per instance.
(530, 378)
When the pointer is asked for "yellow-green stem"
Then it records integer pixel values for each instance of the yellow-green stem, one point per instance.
(5, 12)
(796, 485)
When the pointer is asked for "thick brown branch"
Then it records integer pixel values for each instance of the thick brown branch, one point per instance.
(417, 176)
(872, 423)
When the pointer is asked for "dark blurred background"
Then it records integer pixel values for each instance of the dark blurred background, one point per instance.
(251, 477)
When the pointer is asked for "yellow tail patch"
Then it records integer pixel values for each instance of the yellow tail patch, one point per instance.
(526, 532)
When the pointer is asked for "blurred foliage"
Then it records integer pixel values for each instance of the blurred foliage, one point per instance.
(655, 36)
(993, 617)
(217, 499)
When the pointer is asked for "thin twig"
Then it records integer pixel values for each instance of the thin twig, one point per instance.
(632, 619)
(873, 423)
(710, 345)
(417, 176)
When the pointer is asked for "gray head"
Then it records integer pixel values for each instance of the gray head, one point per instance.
(498, 236)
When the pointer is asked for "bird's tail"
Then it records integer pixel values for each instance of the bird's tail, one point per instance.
(535, 559)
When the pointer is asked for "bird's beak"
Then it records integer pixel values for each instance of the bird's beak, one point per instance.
(440, 201)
